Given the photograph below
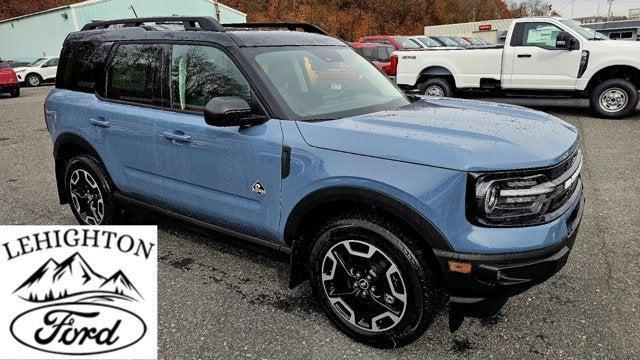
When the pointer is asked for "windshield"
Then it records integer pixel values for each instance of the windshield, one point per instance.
(323, 83)
(37, 62)
(447, 41)
(588, 34)
(428, 42)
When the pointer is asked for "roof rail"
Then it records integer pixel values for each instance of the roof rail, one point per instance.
(305, 27)
(189, 22)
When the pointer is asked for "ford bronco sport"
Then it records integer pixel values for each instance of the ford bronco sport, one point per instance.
(291, 140)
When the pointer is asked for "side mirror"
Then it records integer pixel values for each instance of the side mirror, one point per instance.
(565, 41)
(230, 111)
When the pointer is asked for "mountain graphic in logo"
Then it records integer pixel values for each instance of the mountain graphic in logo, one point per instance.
(75, 278)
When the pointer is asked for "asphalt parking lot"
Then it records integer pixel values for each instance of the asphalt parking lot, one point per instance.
(221, 300)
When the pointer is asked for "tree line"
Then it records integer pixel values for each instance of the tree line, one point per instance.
(350, 19)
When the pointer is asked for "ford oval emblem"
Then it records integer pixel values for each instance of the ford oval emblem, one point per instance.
(78, 328)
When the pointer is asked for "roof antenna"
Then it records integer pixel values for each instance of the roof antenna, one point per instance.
(134, 10)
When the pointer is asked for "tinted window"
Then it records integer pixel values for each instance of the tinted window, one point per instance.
(368, 52)
(134, 74)
(383, 54)
(52, 62)
(407, 43)
(82, 66)
(199, 74)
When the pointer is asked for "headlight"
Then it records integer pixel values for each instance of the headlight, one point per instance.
(522, 198)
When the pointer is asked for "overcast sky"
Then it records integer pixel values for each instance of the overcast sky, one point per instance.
(590, 7)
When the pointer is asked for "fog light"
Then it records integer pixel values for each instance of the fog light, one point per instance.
(460, 267)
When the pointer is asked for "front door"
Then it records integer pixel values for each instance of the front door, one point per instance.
(536, 61)
(229, 176)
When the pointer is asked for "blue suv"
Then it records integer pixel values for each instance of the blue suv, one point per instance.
(283, 136)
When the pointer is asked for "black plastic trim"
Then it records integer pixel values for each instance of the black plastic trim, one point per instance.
(205, 22)
(286, 162)
(412, 217)
(305, 27)
(154, 209)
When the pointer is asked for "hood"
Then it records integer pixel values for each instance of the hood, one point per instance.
(20, 68)
(451, 133)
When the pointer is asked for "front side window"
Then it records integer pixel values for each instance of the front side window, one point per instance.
(53, 62)
(541, 34)
(324, 82)
(37, 62)
(134, 74)
(200, 73)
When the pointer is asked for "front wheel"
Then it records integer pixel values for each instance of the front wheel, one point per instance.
(89, 191)
(372, 281)
(33, 80)
(615, 98)
(15, 92)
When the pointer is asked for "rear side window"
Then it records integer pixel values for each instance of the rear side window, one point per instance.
(81, 65)
(134, 74)
(201, 73)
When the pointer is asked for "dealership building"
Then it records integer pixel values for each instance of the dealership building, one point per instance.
(495, 30)
(28, 37)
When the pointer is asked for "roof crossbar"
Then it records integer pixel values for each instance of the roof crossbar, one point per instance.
(305, 27)
(189, 22)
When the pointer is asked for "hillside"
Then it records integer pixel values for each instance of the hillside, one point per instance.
(347, 19)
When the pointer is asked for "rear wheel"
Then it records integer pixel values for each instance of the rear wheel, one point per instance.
(15, 92)
(33, 80)
(436, 87)
(89, 191)
(372, 281)
(615, 98)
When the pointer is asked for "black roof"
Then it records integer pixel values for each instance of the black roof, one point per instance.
(206, 29)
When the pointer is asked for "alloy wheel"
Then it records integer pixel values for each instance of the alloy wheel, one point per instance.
(86, 197)
(364, 286)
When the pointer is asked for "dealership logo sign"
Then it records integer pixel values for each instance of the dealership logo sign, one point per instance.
(76, 297)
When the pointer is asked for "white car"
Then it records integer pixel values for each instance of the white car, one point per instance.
(543, 56)
(38, 71)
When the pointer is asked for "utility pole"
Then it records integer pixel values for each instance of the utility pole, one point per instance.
(609, 11)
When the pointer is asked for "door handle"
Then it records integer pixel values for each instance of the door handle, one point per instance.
(101, 122)
(177, 137)
(524, 55)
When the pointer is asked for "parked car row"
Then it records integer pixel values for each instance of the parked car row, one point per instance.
(33, 73)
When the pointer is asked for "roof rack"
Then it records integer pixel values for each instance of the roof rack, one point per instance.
(305, 27)
(189, 22)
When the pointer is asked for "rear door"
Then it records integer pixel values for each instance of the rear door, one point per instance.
(126, 118)
(536, 62)
(230, 176)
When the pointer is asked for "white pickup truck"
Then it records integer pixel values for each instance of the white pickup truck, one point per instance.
(542, 56)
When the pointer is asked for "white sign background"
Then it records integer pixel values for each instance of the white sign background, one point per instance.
(139, 270)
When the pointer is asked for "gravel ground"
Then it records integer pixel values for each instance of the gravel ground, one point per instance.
(221, 299)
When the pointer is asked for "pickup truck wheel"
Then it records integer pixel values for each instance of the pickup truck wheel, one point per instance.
(33, 80)
(436, 87)
(89, 191)
(615, 98)
(372, 281)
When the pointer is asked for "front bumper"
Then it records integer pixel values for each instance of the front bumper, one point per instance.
(498, 276)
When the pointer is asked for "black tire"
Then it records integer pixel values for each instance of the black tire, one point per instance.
(618, 90)
(91, 168)
(440, 86)
(15, 92)
(414, 278)
(33, 80)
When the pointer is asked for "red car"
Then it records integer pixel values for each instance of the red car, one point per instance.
(398, 42)
(378, 54)
(9, 82)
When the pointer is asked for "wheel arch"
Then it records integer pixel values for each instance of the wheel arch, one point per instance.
(437, 71)
(310, 212)
(66, 146)
(33, 73)
(627, 72)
